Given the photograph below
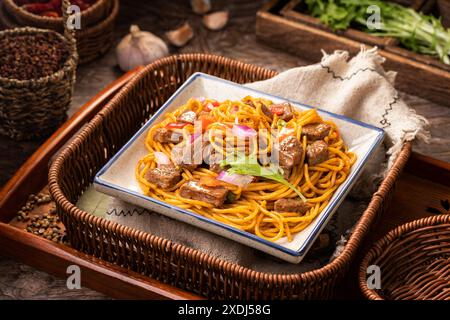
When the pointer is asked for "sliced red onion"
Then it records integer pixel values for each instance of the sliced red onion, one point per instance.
(244, 131)
(236, 179)
(200, 99)
(161, 158)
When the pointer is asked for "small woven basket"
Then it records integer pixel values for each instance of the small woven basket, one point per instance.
(93, 40)
(34, 108)
(91, 15)
(414, 260)
(444, 12)
(6, 21)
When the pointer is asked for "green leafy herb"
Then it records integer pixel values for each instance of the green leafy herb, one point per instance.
(281, 123)
(416, 31)
(249, 165)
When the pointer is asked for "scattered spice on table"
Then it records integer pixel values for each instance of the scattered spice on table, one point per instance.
(46, 225)
(31, 56)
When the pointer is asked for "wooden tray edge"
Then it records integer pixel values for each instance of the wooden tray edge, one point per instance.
(101, 276)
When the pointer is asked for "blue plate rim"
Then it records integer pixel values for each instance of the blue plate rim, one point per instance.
(323, 217)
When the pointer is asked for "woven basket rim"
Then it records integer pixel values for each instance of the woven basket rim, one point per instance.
(5, 18)
(113, 14)
(381, 244)
(341, 262)
(69, 64)
(18, 9)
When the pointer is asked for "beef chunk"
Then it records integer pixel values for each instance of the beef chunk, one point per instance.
(270, 205)
(187, 117)
(284, 110)
(213, 195)
(286, 172)
(317, 152)
(165, 135)
(264, 108)
(266, 111)
(289, 152)
(185, 156)
(291, 205)
(315, 132)
(214, 161)
(165, 176)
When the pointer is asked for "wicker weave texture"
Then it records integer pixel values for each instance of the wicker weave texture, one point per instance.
(73, 171)
(90, 16)
(414, 260)
(93, 41)
(34, 108)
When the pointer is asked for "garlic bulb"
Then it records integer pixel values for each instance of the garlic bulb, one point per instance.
(139, 48)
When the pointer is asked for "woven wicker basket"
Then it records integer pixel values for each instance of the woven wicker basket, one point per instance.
(6, 21)
(414, 261)
(90, 16)
(74, 169)
(35, 108)
(92, 41)
(444, 10)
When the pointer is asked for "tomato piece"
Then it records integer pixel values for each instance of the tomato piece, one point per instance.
(337, 134)
(211, 105)
(176, 125)
(206, 120)
(278, 110)
(209, 181)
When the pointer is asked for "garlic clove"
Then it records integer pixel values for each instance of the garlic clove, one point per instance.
(179, 37)
(216, 20)
(201, 6)
(139, 48)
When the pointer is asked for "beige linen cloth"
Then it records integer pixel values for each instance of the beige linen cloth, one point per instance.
(358, 88)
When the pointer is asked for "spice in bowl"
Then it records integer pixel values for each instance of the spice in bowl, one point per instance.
(51, 8)
(31, 56)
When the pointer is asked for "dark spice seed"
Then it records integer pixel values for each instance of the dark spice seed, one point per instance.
(25, 57)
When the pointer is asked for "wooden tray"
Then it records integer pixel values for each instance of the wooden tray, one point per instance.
(424, 183)
(280, 25)
(54, 258)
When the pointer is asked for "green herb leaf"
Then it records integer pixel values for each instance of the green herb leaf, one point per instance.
(416, 31)
(281, 123)
(249, 165)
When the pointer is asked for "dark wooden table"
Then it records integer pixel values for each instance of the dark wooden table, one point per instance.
(238, 41)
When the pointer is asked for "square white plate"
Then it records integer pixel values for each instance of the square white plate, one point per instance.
(117, 178)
